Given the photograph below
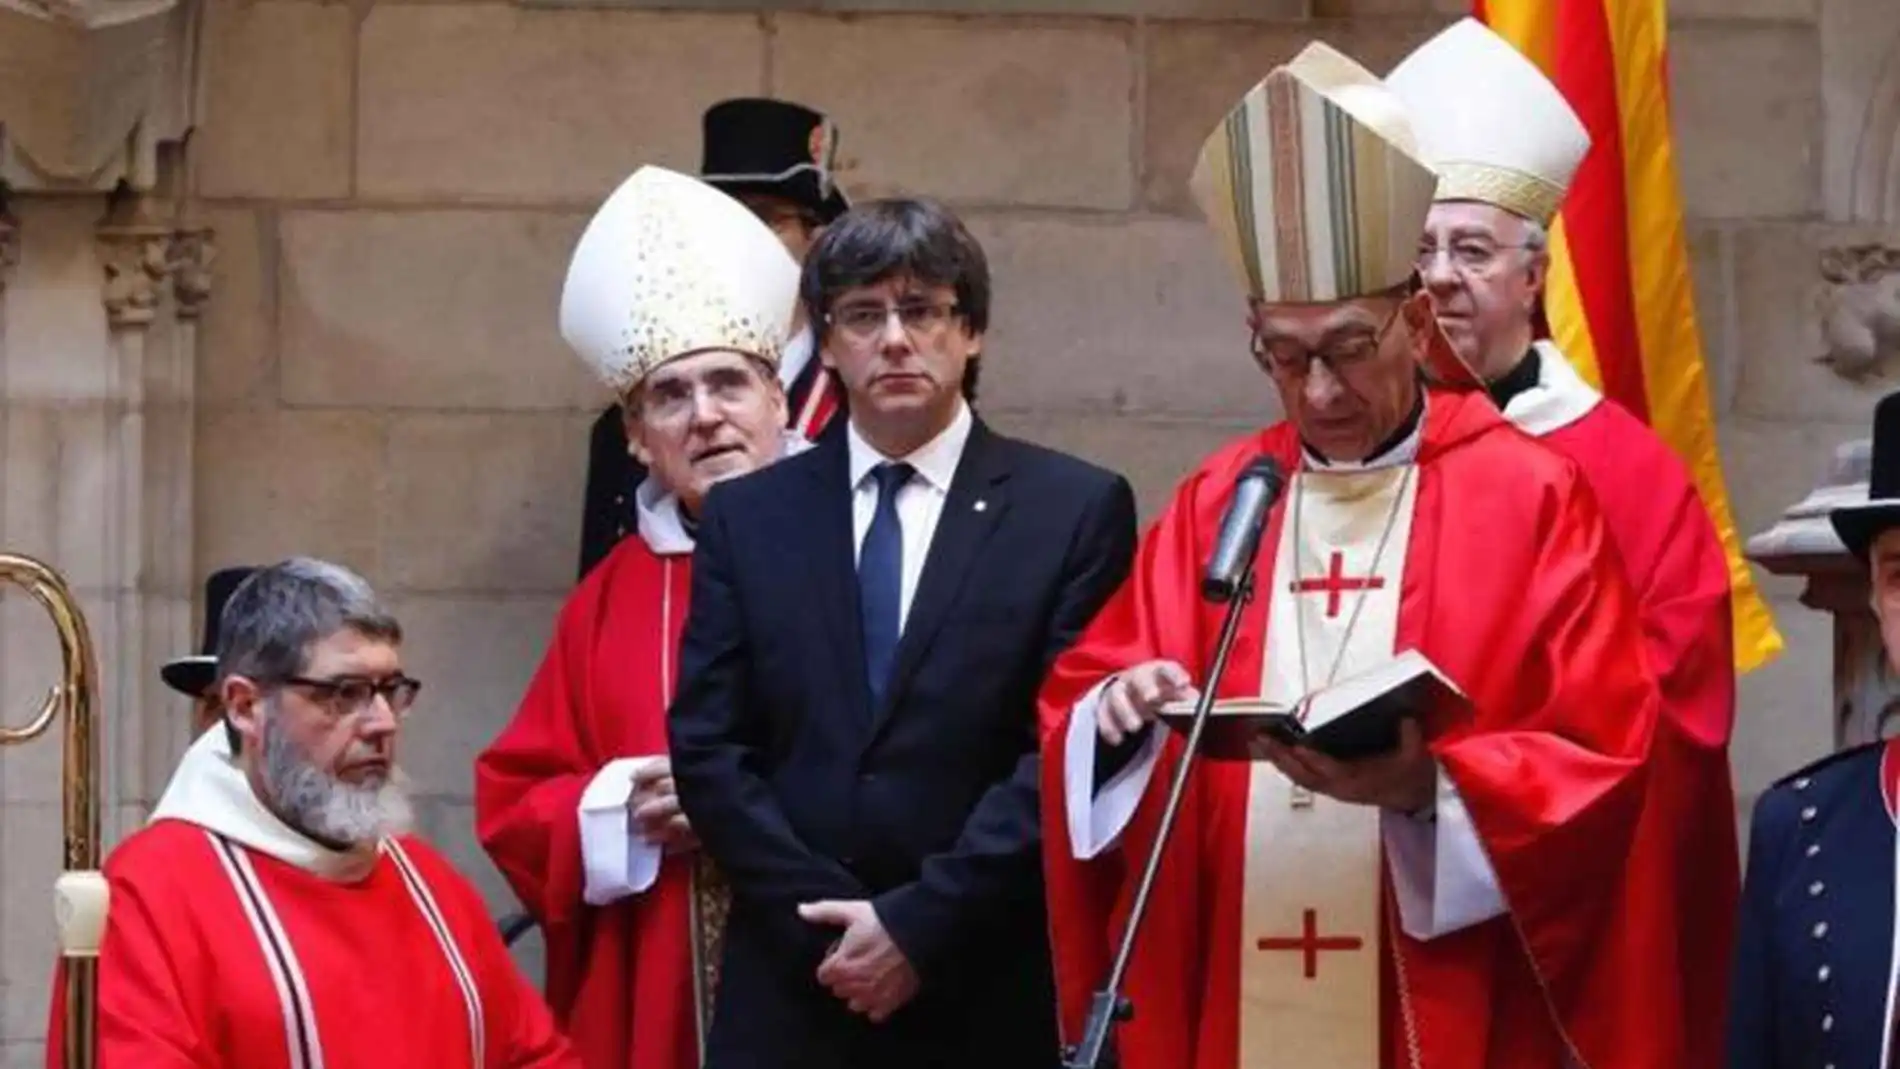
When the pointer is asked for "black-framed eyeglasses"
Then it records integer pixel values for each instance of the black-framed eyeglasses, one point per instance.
(920, 318)
(1291, 359)
(348, 695)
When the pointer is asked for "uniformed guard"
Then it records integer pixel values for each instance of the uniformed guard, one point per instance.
(778, 159)
(193, 674)
(1817, 960)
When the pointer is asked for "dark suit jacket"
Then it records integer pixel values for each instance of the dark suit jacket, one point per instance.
(1817, 925)
(927, 806)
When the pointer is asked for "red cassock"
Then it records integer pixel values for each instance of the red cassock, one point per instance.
(1511, 587)
(1676, 564)
(220, 956)
(620, 976)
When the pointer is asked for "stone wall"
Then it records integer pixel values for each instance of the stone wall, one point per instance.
(396, 187)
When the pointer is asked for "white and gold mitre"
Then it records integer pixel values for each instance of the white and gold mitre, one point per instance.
(1313, 183)
(668, 267)
(1493, 126)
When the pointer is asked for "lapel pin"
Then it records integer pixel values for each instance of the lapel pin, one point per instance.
(982, 505)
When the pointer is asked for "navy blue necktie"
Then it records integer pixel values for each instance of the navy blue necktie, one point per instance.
(881, 578)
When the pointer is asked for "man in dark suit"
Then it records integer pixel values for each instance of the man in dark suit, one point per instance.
(855, 732)
(776, 158)
(1816, 962)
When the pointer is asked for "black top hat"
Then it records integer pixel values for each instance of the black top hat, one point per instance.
(1858, 525)
(759, 145)
(607, 512)
(192, 676)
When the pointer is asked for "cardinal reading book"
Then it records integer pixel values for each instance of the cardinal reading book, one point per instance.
(1355, 718)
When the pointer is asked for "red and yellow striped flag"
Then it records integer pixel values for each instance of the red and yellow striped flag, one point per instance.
(1619, 300)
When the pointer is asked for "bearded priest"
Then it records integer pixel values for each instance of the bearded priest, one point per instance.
(274, 914)
(1483, 892)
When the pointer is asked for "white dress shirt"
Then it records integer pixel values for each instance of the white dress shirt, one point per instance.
(919, 503)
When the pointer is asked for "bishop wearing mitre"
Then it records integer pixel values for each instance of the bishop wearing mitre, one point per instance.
(1506, 145)
(680, 301)
(1477, 895)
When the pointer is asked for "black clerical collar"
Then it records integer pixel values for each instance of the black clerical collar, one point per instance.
(1396, 439)
(1515, 381)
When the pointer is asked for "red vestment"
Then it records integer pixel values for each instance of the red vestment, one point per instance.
(814, 414)
(619, 976)
(1676, 565)
(221, 954)
(1510, 587)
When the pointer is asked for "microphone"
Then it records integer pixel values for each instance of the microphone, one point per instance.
(1255, 491)
(1229, 579)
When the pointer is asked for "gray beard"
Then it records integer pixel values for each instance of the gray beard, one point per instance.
(324, 807)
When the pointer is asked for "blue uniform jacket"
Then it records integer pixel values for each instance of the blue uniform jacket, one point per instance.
(1813, 969)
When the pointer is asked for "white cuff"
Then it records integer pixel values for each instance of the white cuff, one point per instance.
(615, 860)
(1096, 821)
(1442, 877)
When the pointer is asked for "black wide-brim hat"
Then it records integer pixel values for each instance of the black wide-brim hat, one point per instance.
(192, 676)
(1859, 524)
(760, 145)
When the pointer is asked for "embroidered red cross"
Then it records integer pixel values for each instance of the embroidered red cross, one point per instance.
(1309, 942)
(1335, 583)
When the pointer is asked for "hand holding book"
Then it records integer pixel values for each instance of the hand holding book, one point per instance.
(1404, 778)
(1359, 717)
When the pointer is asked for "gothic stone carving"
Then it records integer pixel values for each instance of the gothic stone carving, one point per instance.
(89, 90)
(1866, 698)
(193, 248)
(137, 260)
(1860, 309)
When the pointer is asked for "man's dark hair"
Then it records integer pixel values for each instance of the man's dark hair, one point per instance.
(903, 237)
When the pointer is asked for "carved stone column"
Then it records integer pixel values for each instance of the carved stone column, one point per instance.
(9, 245)
(98, 325)
(1866, 699)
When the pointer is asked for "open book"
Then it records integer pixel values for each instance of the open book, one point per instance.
(1357, 717)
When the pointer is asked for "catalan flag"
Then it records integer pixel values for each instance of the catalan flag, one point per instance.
(1619, 301)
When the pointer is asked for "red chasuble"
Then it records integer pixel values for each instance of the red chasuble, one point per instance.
(620, 977)
(1510, 586)
(234, 944)
(1675, 562)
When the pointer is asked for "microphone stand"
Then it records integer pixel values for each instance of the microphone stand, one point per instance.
(1108, 1006)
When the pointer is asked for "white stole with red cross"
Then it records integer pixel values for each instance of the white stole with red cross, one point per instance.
(1309, 976)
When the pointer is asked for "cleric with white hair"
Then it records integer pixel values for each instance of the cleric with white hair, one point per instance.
(275, 913)
(1506, 145)
(679, 300)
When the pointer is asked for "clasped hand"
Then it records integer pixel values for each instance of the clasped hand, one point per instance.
(654, 807)
(1405, 779)
(865, 968)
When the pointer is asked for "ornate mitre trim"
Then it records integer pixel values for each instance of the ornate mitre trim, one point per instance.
(670, 267)
(1515, 191)
(1313, 185)
(1496, 129)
